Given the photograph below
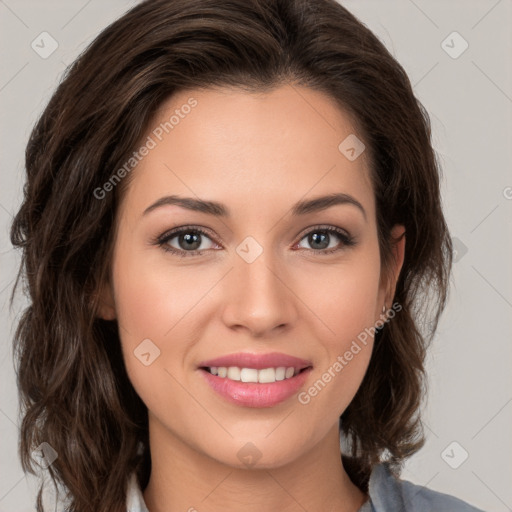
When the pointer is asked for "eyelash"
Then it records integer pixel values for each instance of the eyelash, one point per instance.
(162, 240)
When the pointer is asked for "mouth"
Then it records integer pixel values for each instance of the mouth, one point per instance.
(256, 380)
(254, 393)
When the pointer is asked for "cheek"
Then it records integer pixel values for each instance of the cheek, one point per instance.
(344, 298)
(151, 308)
(344, 302)
(153, 299)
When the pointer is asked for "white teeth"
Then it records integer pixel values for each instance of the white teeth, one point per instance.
(280, 373)
(267, 375)
(249, 375)
(263, 376)
(234, 373)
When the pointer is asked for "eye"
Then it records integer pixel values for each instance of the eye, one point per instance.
(189, 241)
(320, 238)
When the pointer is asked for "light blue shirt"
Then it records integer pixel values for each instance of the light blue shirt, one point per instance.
(387, 494)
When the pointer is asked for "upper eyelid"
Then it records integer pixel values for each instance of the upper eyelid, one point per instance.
(168, 235)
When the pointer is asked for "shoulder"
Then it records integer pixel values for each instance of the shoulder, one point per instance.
(388, 493)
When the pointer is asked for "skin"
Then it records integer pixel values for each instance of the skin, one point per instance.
(258, 154)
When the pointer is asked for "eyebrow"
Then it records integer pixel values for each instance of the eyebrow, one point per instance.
(219, 210)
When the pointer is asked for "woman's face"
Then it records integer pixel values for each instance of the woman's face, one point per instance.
(265, 279)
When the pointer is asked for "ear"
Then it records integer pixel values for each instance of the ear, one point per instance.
(392, 273)
(106, 304)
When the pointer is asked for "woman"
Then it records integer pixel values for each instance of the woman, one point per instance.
(233, 243)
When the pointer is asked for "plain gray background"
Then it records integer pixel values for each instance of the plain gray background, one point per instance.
(469, 98)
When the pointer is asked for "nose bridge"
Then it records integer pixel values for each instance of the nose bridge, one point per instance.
(258, 296)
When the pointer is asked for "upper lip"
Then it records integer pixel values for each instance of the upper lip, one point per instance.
(257, 361)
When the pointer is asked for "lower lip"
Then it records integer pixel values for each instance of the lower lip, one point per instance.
(252, 394)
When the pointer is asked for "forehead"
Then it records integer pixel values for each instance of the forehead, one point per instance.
(237, 146)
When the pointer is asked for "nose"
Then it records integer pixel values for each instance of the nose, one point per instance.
(258, 297)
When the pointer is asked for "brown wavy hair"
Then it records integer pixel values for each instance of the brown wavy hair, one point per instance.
(74, 391)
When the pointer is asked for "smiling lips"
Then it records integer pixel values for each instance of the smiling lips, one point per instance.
(254, 380)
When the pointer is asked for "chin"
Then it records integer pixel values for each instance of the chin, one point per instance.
(258, 454)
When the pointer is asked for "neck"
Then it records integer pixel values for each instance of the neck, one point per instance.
(183, 479)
